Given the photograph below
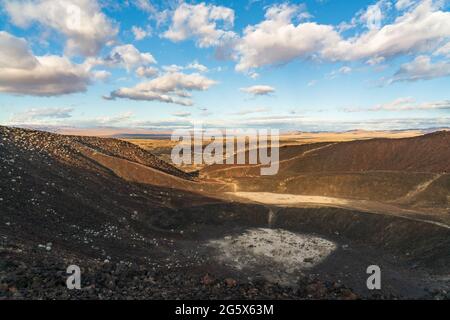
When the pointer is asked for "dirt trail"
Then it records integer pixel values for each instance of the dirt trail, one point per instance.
(419, 189)
(279, 162)
(314, 150)
(290, 200)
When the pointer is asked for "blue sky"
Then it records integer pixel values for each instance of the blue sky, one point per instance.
(304, 65)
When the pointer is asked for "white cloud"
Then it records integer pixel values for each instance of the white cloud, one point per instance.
(101, 75)
(147, 72)
(14, 52)
(374, 14)
(404, 4)
(39, 114)
(194, 65)
(250, 111)
(405, 104)
(259, 90)
(173, 68)
(172, 87)
(197, 66)
(165, 124)
(155, 14)
(145, 5)
(60, 119)
(139, 33)
(201, 22)
(254, 75)
(83, 23)
(290, 122)
(181, 114)
(422, 68)
(23, 73)
(277, 40)
(375, 61)
(420, 29)
(112, 120)
(343, 70)
(126, 56)
(444, 50)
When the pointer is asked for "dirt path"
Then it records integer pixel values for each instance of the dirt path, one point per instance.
(290, 200)
(419, 189)
(279, 162)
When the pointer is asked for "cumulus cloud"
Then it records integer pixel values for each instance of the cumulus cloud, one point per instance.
(14, 52)
(259, 90)
(172, 87)
(139, 33)
(145, 5)
(101, 75)
(129, 57)
(23, 73)
(173, 68)
(197, 66)
(420, 29)
(126, 56)
(160, 16)
(82, 22)
(277, 40)
(422, 68)
(147, 72)
(208, 24)
(374, 14)
(194, 65)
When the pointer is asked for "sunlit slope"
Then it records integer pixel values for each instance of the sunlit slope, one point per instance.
(408, 171)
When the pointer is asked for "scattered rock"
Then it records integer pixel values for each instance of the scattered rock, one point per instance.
(231, 283)
(347, 294)
(208, 280)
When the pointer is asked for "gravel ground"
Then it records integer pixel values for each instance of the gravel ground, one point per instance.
(132, 241)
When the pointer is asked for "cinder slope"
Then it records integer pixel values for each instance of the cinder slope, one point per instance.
(121, 158)
(411, 172)
(428, 153)
(53, 190)
(65, 200)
